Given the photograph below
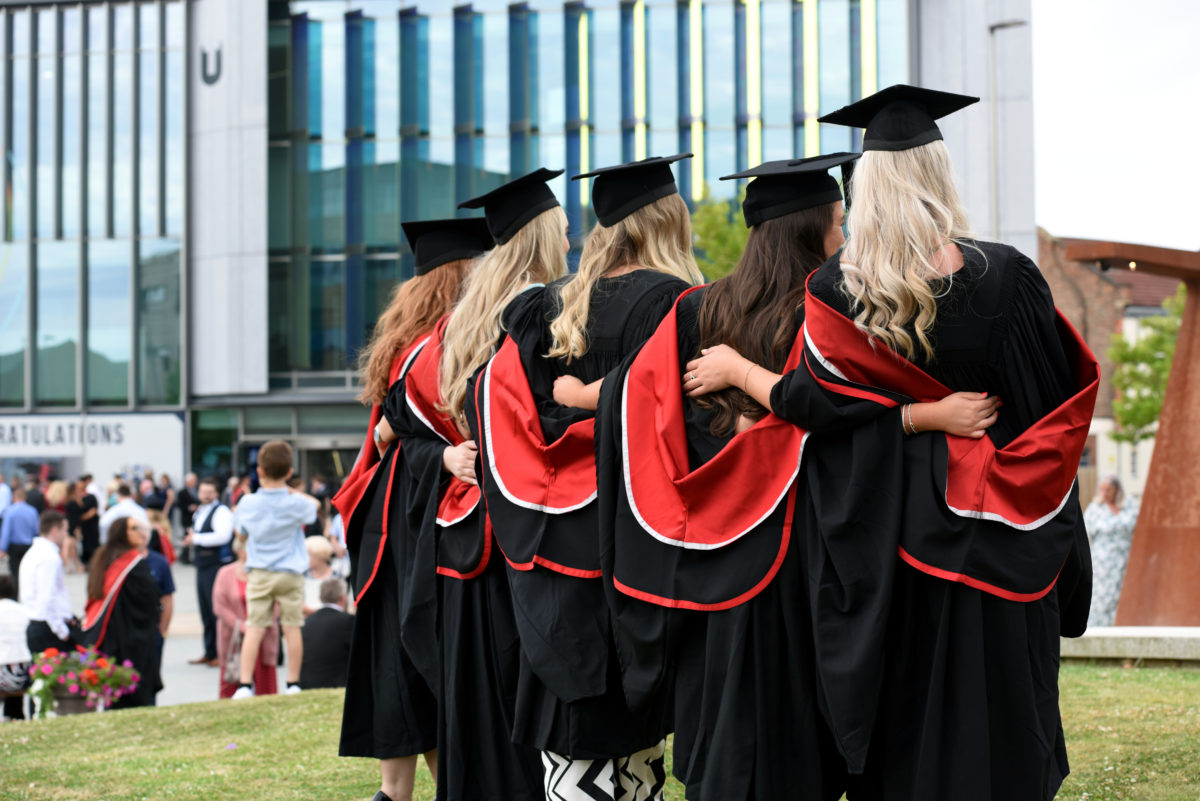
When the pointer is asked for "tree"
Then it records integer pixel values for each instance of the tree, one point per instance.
(720, 235)
(1141, 365)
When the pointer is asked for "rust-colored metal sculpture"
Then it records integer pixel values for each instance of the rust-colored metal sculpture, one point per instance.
(1161, 587)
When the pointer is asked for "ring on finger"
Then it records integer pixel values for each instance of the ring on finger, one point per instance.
(692, 375)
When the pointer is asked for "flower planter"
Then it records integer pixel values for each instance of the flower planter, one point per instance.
(67, 704)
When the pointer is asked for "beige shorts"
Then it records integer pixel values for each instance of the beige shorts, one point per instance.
(266, 587)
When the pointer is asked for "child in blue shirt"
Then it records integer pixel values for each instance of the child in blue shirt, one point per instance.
(272, 523)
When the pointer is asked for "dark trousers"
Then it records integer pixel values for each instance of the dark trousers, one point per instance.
(15, 554)
(39, 636)
(208, 562)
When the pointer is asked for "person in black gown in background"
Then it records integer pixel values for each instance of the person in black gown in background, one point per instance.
(123, 608)
(937, 632)
(540, 483)
(390, 711)
(479, 648)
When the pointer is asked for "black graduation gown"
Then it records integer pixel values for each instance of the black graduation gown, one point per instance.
(722, 624)
(938, 669)
(461, 580)
(569, 697)
(132, 633)
(389, 708)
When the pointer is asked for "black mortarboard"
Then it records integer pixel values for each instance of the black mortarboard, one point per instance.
(436, 242)
(507, 208)
(783, 187)
(619, 191)
(899, 117)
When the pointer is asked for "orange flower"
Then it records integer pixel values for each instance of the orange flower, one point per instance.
(101, 662)
(50, 653)
(89, 676)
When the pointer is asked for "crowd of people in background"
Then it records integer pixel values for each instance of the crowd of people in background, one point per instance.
(128, 536)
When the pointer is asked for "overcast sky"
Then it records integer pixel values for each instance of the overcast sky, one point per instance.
(1116, 115)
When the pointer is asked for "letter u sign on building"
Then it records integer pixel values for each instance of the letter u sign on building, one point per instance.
(210, 73)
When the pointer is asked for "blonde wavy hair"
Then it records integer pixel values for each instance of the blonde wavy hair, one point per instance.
(534, 255)
(657, 236)
(906, 207)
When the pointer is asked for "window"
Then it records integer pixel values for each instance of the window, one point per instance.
(158, 322)
(57, 323)
(109, 338)
(13, 323)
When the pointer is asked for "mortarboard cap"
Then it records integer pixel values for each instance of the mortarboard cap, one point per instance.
(437, 242)
(899, 117)
(784, 187)
(619, 191)
(509, 207)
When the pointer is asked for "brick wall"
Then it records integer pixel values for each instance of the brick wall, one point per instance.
(1092, 300)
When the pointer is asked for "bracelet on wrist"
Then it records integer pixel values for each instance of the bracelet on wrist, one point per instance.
(746, 378)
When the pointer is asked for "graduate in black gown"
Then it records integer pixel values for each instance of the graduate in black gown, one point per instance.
(942, 569)
(390, 711)
(539, 478)
(123, 607)
(462, 572)
(703, 557)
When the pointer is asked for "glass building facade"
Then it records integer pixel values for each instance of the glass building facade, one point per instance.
(377, 111)
(92, 127)
(383, 110)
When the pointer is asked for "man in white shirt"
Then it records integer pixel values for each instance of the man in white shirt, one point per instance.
(43, 589)
(125, 506)
(211, 534)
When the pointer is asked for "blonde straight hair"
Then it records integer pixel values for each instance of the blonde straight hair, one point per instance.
(657, 236)
(534, 255)
(906, 207)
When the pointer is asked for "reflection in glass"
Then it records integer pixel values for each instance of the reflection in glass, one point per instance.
(70, 131)
(213, 433)
(662, 78)
(158, 322)
(20, 33)
(174, 143)
(18, 154)
(148, 26)
(57, 323)
(71, 20)
(122, 27)
(385, 72)
(13, 323)
(381, 194)
(46, 195)
(174, 25)
(122, 124)
(379, 278)
(326, 196)
(278, 61)
(892, 41)
(97, 134)
(719, 158)
(148, 141)
(108, 324)
(327, 315)
(833, 27)
(606, 80)
(778, 70)
(47, 31)
(279, 200)
(333, 79)
(719, 66)
(306, 315)
(552, 101)
(495, 88)
(97, 29)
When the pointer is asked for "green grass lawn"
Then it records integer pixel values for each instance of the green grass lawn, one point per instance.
(1131, 734)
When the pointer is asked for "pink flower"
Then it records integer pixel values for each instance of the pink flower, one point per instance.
(70, 674)
(47, 670)
(127, 663)
(32, 669)
(73, 689)
(90, 703)
(62, 679)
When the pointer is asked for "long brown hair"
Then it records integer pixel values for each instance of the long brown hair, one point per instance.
(753, 309)
(416, 306)
(117, 544)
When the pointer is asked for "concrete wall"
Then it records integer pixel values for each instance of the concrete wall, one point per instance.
(951, 52)
(227, 196)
